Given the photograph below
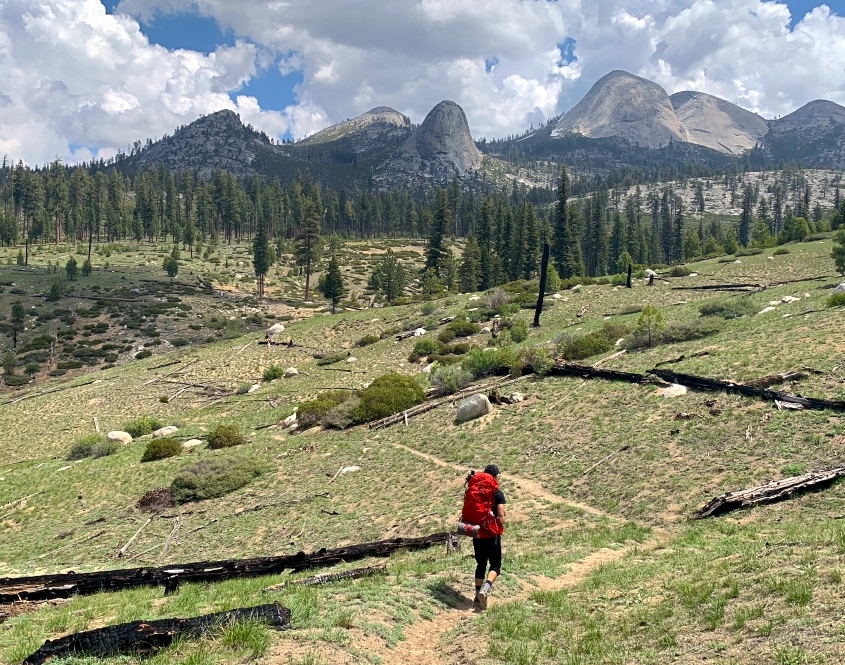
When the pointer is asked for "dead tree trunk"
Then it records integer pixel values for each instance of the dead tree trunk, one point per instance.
(544, 267)
(45, 587)
(148, 636)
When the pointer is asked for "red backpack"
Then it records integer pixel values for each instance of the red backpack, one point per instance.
(477, 518)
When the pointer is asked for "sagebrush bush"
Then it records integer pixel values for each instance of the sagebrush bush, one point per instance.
(143, 354)
(749, 251)
(209, 479)
(835, 300)
(342, 415)
(330, 359)
(313, 412)
(780, 251)
(273, 372)
(83, 448)
(729, 308)
(483, 362)
(386, 395)
(463, 328)
(161, 449)
(366, 340)
(584, 346)
(680, 271)
(698, 329)
(225, 436)
(537, 359)
(105, 448)
(448, 379)
(518, 329)
(142, 426)
(427, 346)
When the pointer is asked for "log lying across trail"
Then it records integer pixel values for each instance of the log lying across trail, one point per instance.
(45, 587)
(147, 636)
(769, 493)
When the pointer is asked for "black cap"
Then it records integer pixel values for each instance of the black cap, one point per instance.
(492, 469)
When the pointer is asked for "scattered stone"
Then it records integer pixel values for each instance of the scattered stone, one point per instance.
(675, 390)
(427, 369)
(349, 469)
(275, 329)
(770, 258)
(485, 329)
(577, 287)
(190, 444)
(473, 407)
(766, 310)
(557, 296)
(650, 273)
(774, 303)
(253, 388)
(516, 398)
(737, 261)
(121, 437)
(474, 298)
(419, 332)
(693, 274)
(351, 359)
(290, 421)
(291, 372)
(839, 289)
(165, 431)
(788, 299)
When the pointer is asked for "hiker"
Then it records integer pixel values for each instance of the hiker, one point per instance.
(487, 545)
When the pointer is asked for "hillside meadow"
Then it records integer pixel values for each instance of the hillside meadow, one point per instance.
(601, 563)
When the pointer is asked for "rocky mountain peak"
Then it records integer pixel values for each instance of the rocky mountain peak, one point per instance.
(381, 124)
(438, 151)
(812, 115)
(718, 124)
(621, 104)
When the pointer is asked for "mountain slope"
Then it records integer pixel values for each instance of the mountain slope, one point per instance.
(368, 131)
(621, 104)
(438, 151)
(813, 135)
(718, 124)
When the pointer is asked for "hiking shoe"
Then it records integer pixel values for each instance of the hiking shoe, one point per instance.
(475, 603)
(482, 598)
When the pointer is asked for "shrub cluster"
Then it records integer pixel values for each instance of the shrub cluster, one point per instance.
(835, 300)
(458, 329)
(330, 359)
(680, 271)
(209, 479)
(448, 379)
(780, 251)
(142, 426)
(366, 340)
(678, 332)
(92, 446)
(273, 372)
(579, 347)
(386, 395)
(225, 436)
(161, 449)
(313, 412)
(155, 501)
(749, 251)
(484, 362)
(729, 308)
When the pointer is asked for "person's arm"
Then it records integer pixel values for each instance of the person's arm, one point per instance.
(500, 513)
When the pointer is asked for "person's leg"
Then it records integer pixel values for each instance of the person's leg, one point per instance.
(494, 555)
(480, 551)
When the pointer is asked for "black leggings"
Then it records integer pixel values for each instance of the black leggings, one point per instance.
(487, 549)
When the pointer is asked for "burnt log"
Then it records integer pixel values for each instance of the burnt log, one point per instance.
(563, 368)
(149, 636)
(45, 587)
(776, 490)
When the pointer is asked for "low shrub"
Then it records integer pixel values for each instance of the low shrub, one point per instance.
(366, 340)
(209, 479)
(243, 389)
(155, 501)
(141, 426)
(463, 328)
(386, 395)
(584, 346)
(483, 362)
(17, 380)
(537, 359)
(780, 251)
(446, 336)
(313, 412)
(450, 379)
(180, 341)
(835, 300)
(749, 251)
(146, 353)
(83, 448)
(161, 449)
(342, 415)
(680, 271)
(104, 448)
(225, 436)
(729, 308)
(518, 329)
(685, 332)
(273, 372)
(330, 359)
(427, 347)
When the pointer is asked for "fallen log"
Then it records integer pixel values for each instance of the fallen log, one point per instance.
(563, 368)
(776, 379)
(720, 287)
(148, 636)
(768, 493)
(355, 574)
(702, 383)
(45, 587)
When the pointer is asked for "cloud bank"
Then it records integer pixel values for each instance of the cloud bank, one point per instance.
(76, 82)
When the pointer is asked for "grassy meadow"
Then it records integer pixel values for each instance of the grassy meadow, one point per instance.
(601, 563)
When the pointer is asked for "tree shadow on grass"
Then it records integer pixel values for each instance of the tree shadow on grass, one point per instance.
(449, 596)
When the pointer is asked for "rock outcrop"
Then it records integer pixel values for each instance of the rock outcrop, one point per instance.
(718, 124)
(369, 131)
(438, 151)
(816, 114)
(624, 105)
(473, 407)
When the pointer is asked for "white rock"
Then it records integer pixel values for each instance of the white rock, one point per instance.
(577, 287)
(165, 431)
(516, 398)
(737, 261)
(120, 437)
(291, 372)
(788, 299)
(839, 289)
(190, 444)
(474, 298)
(275, 329)
(349, 469)
(351, 359)
(485, 329)
(253, 388)
(239, 275)
(770, 258)
(619, 341)
(427, 369)
(473, 407)
(766, 310)
(557, 296)
(693, 274)
(675, 390)
(419, 332)
(650, 273)
(290, 421)
(774, 303)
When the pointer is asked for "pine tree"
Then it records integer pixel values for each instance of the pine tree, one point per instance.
(449, 271)
(430, 285)
(838, 252)
(436, 249)
(469, 274)
(618, 239)
(389, 276)
(530, 241)
(71, 268)
(567, 247)
(745, 219)
(333, 287)
(308, 244)
(678, 234)
(261, 256)
(171, 263)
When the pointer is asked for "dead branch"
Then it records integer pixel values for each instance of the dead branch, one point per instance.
(45, 587)
(176, 527)
(609, 358)
(605, 459)
(584, 310)
(776, 379)
(681, 358)
(52, 390)
(354, 574)
(126, 547)
(73, 544)
(234, 355)
(769, 493)
(148, 636)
